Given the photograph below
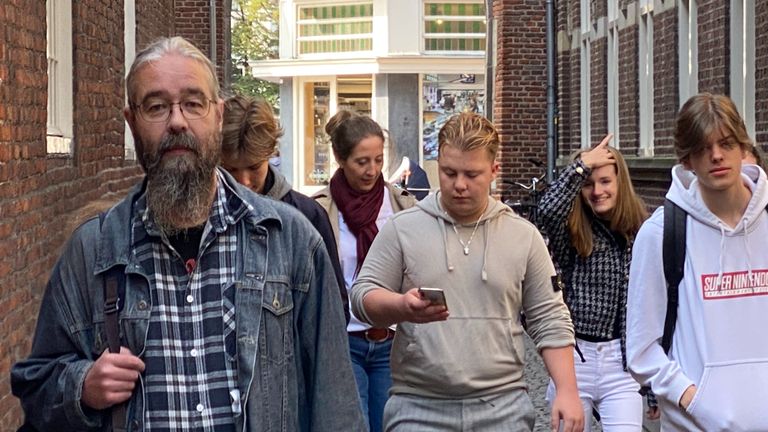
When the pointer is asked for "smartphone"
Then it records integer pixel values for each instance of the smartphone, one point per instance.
(436, 296)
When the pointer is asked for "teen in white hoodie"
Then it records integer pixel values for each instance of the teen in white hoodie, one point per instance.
(716, 375)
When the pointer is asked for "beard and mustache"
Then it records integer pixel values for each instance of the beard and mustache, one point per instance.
(180, 188)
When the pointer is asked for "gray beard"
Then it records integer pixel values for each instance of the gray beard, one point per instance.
(179, 190)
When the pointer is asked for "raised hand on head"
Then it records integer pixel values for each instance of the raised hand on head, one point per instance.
(599, 155)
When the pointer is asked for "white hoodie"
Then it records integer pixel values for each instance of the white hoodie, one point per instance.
(722, 313)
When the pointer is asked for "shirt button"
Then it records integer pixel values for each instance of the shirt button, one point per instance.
(193, 353)
(142, 305)
(200, 407)
(190, 299)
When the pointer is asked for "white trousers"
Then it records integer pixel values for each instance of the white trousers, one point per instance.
(605, 386)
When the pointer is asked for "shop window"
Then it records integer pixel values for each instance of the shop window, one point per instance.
(317, 145)
(335, 28)
(455, 27)
(443, 96)
(321, 99)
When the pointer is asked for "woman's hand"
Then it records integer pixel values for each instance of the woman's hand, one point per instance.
(599, 155)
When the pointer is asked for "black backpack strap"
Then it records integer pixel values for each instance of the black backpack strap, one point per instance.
(674, 263)
(114, 290)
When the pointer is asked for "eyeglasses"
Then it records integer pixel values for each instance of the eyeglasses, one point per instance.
(159, 110)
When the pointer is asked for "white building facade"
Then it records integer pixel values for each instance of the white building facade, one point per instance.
(409, 64)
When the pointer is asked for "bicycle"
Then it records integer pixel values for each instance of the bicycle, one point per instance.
(528, 207)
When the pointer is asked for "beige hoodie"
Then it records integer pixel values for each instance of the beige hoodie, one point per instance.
(479, 350)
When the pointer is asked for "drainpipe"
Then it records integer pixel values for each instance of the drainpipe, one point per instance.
(551, 93)
(212, 15)
(490, 59)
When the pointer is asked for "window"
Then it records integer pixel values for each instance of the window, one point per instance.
(613, 71)
(444, 95)
(130, 54)
(689, 49)
(335, 28)
(585, 76)
(59, 53)
(455, 27)
(743, 60)
(645, 78)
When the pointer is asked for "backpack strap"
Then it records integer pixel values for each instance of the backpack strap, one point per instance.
(674, 264)
(114, 289)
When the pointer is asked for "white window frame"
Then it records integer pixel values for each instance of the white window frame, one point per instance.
(743, 60)
(688, 43)
(585, 77)
(612, 63)
(59, 130)
(426, 36)
(130, 55)
(324, 55)
(645, 79)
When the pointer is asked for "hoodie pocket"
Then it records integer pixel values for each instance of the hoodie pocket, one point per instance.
(462, 355)
(731, 397)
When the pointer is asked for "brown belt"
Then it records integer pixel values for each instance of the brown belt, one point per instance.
(374, 334)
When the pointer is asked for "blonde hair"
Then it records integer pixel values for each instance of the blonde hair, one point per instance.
(469, 131)
(249, 129)
(625, 218)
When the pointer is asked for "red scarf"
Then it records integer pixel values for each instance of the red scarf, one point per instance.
(360, 211)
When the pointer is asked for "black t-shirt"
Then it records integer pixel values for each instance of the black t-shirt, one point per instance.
(187, 242)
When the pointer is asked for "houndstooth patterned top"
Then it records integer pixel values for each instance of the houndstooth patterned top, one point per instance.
(595, 286)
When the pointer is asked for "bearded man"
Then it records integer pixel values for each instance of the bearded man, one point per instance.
(225, 295)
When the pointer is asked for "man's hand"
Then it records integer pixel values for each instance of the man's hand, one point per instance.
(111, 379)
(568, 408)
(599, 156)
(415, 309)
(687, 397)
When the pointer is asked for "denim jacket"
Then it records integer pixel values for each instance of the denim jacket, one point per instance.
(294, 371)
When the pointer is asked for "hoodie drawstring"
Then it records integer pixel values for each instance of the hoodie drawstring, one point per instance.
(441, 222)
(483, 273)
(722, 254)
(746, 247)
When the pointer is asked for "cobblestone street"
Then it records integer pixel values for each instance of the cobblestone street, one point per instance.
(537, 378)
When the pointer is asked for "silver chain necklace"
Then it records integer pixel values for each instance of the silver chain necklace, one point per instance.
(472, 236)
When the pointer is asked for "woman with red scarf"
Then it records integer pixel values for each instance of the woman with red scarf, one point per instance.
(359, 202)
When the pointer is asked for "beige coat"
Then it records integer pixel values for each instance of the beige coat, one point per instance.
(399, 198)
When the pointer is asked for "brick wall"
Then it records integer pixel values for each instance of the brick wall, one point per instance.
(193, 22)
(39, 193)
(154, 18)
(761, 73)
(714, 44)
(520, 100)
(665, 73)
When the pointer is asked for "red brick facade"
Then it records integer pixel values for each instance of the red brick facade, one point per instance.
(193, 18)
(39, 193)
(520, 93)
(650, 174)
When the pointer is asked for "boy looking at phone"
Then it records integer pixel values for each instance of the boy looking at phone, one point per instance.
(466, 372)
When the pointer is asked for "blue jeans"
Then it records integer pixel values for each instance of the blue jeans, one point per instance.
(370, 363)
